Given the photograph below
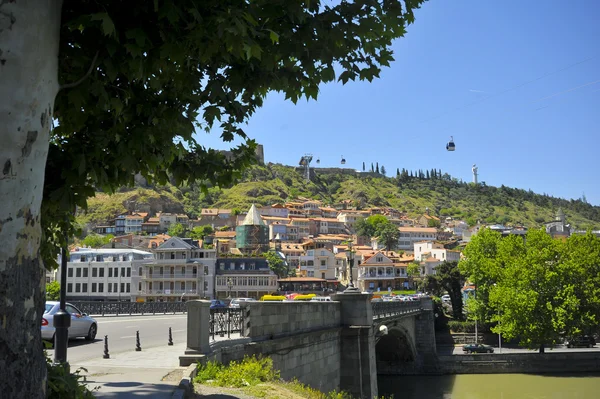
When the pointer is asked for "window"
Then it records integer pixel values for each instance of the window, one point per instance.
(129, 272)
(110, 272)
(140, 286)
(84, 287)
(322, 253)
(205, 270)
(70, 272)
(172, 255)
(78, 272)
(70, 286)
(85, 272)
(98, 258)
(323, 276)
(116, 272)
(94, 272)
(122, 272)
(205, 285)
(115, 287)
(128, 287)
(109, 287)
(122, 287)
(100, 287)
(77, 287)
(82, 259)
(182, 286)
(101, 272)
(323, 262)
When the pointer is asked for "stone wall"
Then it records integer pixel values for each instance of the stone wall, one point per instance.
(563, 362)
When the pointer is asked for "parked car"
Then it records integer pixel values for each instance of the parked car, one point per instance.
(477, 348)
(584, 341)
(82, 325)
(217, 304)
(235, 302)
(320, 299)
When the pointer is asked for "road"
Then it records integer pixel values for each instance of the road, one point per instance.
(457, 350)
(121, 331)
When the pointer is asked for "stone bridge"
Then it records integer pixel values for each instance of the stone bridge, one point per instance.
(340, 345)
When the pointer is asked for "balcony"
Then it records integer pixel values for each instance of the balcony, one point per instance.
(376, 276)
(170, 261)
(169, 292)
(169, 276)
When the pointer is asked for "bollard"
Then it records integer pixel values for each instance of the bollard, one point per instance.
(170, 337)
(106, 355)
(138, 347)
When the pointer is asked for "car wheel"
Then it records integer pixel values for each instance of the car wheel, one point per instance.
(490, 351)
(92, 333)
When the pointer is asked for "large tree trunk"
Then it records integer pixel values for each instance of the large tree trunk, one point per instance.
(29, 34)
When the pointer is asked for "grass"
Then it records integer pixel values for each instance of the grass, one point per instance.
(255, 376)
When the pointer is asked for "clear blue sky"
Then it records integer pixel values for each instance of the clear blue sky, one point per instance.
(517, 83)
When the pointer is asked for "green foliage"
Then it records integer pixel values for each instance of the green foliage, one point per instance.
(199, 232)
(433, 223)
(191, 64)
(53, 291)
(176, 230)
(449, 278)
(276, 264)
(97, 240)
(64, 384)
(461, 326)
(250, 371)
(535, 289)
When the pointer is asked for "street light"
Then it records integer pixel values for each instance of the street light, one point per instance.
(350, 257)
(229, 285)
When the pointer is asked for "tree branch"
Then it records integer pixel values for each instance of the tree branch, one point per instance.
(84, 77)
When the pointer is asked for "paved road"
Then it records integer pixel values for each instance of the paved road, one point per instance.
(457, 350)
(154, 332)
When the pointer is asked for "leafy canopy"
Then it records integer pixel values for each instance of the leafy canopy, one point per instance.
(536, 289)
(161, 69)
(277, 264)
(199, 232)
(176, 230)
(53, 291)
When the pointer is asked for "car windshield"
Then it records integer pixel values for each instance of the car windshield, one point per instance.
(48, 308)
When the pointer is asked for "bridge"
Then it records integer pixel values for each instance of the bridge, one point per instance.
(340, 345)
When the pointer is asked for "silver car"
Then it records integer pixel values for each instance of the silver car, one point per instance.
(82, 325)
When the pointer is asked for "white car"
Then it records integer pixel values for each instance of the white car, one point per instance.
(235, 303)
(82, 325)
(320, 299)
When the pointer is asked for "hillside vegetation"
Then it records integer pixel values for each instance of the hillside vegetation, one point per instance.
(273, 183)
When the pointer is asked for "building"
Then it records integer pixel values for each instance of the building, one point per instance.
(558, 227)
(252, 236)
(178, 271)
(318, 263)
(410, 235)
(245, 277)
(103, 274)
(133, 222)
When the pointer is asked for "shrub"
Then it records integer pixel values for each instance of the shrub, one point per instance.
(250, 371)
(462, 326)
(64, 384)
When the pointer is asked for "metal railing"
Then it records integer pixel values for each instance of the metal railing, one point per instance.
(395, 308)
(168, 291)
(158, 276)
(226, 321)
(129, 308)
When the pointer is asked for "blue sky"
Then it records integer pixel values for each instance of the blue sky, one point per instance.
(517, 83)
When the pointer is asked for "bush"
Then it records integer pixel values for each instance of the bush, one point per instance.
(249, 372)
(64, 384)
(462, 326)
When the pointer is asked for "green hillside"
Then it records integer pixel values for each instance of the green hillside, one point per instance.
(269, 184)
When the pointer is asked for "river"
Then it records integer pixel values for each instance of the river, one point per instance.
(492, 386)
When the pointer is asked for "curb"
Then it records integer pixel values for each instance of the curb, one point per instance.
(186, 385)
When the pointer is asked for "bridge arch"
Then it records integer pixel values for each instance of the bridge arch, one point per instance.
(398, 346)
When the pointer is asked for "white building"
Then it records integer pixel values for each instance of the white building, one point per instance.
(319, 263)
(410, 235)
(102, 274)
(431, 254)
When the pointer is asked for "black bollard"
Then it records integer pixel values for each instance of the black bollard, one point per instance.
(138, 347)
(106, 355)
(170, 337)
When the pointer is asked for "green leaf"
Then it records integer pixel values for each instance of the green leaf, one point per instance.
(274, 36)
(108, 27)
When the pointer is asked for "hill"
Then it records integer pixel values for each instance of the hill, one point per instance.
(408, 192)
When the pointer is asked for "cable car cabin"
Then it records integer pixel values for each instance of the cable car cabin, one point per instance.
(343, 160)
(318, 161)
(450, 146)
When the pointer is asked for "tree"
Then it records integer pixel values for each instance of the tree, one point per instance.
(96, 240)
(53, 291)
(434, 223)
(449, 278)
(277, 264)
(199, 232)
(377, 168)
(397, 172)
(372, 168)
(413, 271)
(383, 170)
(363, 166)
(127, 83)
(176, 230)
(370, 226)
(388, 234)
(535, 289)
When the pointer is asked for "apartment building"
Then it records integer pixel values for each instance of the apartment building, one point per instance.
(318, 263)
(178, 271)
(246, 277)
(103, 274)
(410, 235)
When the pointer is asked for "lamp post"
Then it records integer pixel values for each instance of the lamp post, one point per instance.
(62, 319)
(229, 285)
(350, 258)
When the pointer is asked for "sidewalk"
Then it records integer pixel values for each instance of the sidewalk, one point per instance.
(150, 373)
(134, 374)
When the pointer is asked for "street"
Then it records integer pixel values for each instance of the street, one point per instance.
(457, 350)
(121, 331)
